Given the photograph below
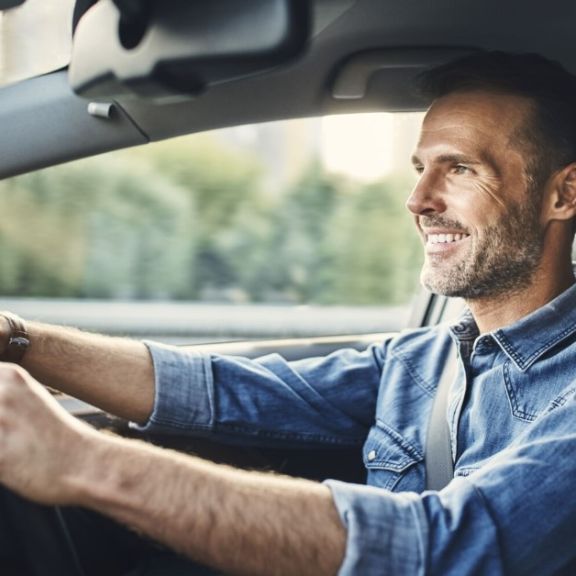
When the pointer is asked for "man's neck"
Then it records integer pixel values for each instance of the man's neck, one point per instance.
(493, 313)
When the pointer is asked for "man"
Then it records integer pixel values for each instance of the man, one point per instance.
(495, 205)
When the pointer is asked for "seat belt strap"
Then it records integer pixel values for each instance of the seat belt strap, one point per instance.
(438, 460)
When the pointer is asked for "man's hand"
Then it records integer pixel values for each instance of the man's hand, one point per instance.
(41, 445)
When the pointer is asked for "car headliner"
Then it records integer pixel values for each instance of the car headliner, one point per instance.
(379, 44)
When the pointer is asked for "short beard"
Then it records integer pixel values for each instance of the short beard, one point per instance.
(503, 263)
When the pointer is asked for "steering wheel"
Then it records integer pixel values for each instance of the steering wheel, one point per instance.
(35, 539)
(38, 540)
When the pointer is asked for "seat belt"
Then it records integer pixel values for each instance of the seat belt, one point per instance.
(438, 459)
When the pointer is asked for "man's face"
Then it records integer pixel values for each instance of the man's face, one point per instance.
(478, 217)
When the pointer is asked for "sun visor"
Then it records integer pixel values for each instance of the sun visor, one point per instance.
(171, 50)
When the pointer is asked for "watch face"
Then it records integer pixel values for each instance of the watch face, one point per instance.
(18, 342)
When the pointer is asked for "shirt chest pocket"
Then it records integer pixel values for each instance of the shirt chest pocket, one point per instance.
(392, 461)
(528, 397)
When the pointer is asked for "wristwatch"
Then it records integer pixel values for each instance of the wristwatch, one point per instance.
(18, 339)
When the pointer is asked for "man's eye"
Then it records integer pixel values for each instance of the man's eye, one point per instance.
(462, 169)
(419, 169)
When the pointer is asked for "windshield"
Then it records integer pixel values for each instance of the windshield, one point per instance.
(49, 24)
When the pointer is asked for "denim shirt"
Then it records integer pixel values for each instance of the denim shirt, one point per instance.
(511, 508)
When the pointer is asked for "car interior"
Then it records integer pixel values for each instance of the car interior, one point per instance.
(138, 72)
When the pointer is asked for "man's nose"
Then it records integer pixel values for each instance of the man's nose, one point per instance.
(426, 197)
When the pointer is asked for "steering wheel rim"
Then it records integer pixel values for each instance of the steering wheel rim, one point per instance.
(41, 535)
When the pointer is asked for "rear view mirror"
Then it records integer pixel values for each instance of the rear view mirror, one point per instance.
(8, 4)
(173, 49)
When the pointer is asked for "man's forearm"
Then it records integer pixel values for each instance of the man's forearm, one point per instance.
(240, 522)
(114, 374)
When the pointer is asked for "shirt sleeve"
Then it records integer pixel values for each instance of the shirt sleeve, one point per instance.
(515, 516)
(328, 400)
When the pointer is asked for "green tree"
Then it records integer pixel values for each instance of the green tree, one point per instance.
(97, 228)
(224, 187)
(297, 252)
(376, 253)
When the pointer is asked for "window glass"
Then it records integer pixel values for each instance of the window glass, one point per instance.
(281, 229)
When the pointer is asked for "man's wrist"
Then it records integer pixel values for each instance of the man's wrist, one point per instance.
(15, 339)
(104, 488)
(4, 333)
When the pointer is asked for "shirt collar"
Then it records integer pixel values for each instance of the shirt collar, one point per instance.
(532, 336)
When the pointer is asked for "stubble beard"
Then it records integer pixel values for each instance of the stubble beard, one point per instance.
(502, 262)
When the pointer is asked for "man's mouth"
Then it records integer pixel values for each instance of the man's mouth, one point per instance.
(444, 244)
(445, 238)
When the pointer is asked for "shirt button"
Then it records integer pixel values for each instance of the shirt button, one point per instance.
(371, 455)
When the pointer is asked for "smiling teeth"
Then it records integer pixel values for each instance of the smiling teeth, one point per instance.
(445, 238)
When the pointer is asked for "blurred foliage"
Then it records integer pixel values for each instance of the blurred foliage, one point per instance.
(102, 228)
(193, 220)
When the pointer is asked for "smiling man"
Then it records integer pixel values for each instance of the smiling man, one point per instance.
(495, 205)
(480, 222)
(493, 220)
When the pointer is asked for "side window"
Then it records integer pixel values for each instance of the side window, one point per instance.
(283, 229)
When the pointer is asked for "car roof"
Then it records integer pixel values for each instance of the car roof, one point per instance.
(362, 56)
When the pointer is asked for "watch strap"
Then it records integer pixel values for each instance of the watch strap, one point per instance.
(18, 339)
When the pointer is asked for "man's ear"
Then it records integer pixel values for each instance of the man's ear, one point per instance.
(561, 198)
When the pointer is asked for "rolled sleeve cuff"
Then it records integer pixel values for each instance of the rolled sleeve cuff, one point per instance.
(183, 392)
(385, 531)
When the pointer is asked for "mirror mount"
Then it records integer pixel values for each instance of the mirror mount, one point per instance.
(8, 4)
